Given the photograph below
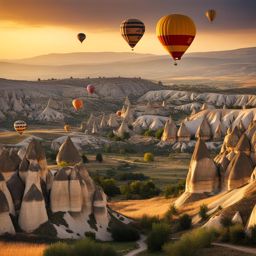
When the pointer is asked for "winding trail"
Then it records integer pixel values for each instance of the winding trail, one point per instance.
(237, 248)
(141, 247)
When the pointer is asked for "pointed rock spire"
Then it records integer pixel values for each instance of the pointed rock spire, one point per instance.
(68, 153)
(170, 132)
(204, 131)
(183, 133)
(202, 171)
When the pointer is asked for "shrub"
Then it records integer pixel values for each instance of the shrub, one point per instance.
(149, 133)
(85, 159)
(159, 133)
(126, 136)
(253, 234)
(99, 158)
(124, 233)
(190, 243)
(57, 249)
(109, 186)
(90, 235)
(148, 157)
(203, 212)
(146, 222)
(131, 176)
(89, 247)
(184, 222)
(63, 164)
(236, 234)
(158, 236)
(226, 222)
(140, 189)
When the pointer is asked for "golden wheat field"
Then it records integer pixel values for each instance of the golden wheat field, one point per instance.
(21, 249)
(156, 206)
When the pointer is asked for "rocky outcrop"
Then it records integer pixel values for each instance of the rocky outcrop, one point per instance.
(202, 171)
(68, 154)
(183, 133)
(170, 132)
(6, 226)
(204, 131)
(33, 210)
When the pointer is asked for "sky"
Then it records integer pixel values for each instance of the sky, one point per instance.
(34, 27)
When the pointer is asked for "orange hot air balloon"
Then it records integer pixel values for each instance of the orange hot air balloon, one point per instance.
(67, 128)
(81, 37)
(77, 103)
(210, 15)
(119, 113)
(132, 31)
(176, 32)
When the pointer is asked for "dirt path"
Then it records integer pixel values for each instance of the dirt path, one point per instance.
(238, 248)
(141, 247)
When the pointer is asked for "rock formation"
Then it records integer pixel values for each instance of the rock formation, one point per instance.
(122, 130)
(112, 122)
(68, 154)
(170, 132)
(204, 131)
(183, 133)
(6, 226)
(202, 171)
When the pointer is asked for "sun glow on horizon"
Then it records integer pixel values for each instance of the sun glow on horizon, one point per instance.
(22, 41)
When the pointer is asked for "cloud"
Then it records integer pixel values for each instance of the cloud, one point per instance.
(107, 14)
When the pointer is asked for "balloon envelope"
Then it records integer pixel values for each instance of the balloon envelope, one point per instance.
(20, 126)
(176, 32)
(77, 103)
(81, 37)
(67, 128)
(90, 89)
(210, 15)
(119, 113)
(132, 30)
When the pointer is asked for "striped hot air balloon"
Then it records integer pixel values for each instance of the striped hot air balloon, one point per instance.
(132, 31)
(210, 15)
(77, 104)
(176, 32)
(20, 126)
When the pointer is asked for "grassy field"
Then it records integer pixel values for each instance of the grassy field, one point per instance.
(163, 171)
(212, 251)
(21, 249)
(30, 249)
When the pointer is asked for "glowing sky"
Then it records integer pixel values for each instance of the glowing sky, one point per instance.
(34, 27)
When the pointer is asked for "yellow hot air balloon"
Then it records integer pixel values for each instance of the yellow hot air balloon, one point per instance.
(132, 31)
(210, 15)
(176, 32)
(20, 126)
(67, 128)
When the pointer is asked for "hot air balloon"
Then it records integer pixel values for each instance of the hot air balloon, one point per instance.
(67, 128)
(90, 89)
(20, 126)
(77, 103)
(176, 32)
(132, 31)
(210, 15)
(81, 37)
(119, 113)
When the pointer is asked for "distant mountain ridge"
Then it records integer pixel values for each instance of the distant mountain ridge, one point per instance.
(226, 67)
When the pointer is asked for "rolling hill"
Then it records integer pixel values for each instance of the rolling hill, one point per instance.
(236, 67)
